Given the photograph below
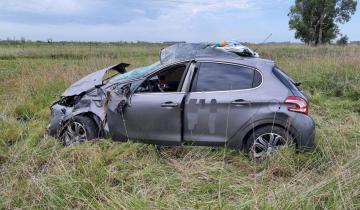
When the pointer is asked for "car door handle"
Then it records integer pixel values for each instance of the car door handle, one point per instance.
(169, 104)
(240, 102)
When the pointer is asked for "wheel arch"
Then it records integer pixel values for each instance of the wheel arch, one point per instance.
(96, 118)
(281, 125)
(239, 140)
(93, 116)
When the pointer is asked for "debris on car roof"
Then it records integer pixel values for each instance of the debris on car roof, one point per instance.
(188, 51)
(236, 47)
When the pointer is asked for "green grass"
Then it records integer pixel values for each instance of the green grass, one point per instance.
(37, 172)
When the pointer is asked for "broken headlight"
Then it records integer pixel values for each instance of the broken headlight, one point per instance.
(69, 101)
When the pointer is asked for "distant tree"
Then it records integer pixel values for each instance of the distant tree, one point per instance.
(344, 40)
(315, 21)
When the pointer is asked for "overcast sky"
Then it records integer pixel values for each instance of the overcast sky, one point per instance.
(151, 20)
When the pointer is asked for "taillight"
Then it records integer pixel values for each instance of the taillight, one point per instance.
(297, 104)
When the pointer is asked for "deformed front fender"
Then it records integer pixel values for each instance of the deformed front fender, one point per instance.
(57, 114)
(115, 108)
(61, 114)
(86, 106)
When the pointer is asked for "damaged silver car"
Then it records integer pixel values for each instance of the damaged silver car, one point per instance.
(80, 114)
(196, 94)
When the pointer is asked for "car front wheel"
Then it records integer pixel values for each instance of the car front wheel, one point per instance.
(79, 129)
(266, 140)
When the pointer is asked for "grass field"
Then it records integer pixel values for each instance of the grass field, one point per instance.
(38, 172)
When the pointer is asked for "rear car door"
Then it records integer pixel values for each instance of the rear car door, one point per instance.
(154, 113)
(219, 102)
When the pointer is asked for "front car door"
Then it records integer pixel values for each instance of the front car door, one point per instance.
(154, 113)
(219, 102)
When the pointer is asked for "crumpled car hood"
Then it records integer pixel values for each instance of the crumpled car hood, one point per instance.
(92, 80)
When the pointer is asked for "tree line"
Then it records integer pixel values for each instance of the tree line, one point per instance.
(316, 21)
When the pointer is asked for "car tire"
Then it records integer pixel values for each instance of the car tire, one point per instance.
(80, 129)
(266, 140)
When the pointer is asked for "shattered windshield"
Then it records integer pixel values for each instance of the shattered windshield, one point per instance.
(138, 72)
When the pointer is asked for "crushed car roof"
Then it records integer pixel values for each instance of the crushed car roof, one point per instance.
(203, 51)
(185, 51)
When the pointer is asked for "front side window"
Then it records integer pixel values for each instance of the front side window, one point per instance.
(168, 80)
(223, 77)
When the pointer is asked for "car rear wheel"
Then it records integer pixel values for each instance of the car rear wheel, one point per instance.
(79, 129)
(266, 140)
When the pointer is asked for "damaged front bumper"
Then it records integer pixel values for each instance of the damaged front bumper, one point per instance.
(86, 97)
(58, 113)
(88, 105)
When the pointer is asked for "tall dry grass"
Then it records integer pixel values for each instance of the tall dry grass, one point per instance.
(37, 172)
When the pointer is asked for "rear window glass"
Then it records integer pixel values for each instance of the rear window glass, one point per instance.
(285, 79)
(222, 77)
(257, 79)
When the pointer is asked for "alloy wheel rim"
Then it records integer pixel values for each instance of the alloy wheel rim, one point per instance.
(75, 133)
(266, 144)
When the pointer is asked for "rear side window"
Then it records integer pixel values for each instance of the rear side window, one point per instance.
(257, 79)
(222, 77)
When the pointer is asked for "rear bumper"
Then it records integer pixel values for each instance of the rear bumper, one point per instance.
(303, 129)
